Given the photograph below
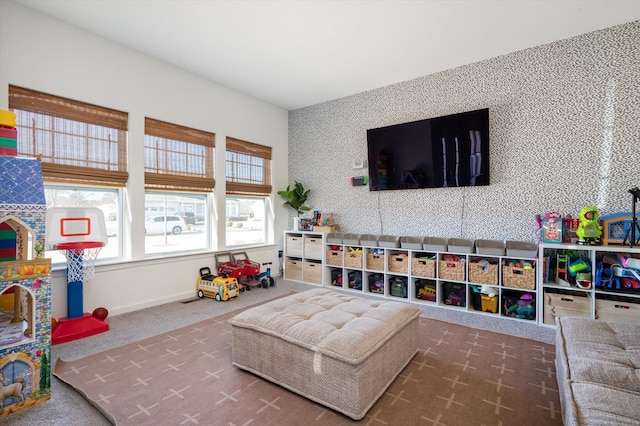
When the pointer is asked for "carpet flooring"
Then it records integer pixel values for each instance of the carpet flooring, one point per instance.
(460, 375)
(69, 408)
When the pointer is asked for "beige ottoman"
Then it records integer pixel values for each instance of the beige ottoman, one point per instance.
(333, 348)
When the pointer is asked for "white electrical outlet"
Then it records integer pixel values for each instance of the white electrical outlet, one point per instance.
(358, 164)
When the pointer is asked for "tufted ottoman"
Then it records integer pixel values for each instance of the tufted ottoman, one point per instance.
(333, 348)
(598, 369)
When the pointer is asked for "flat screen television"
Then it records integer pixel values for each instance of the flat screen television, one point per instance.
(449, 151)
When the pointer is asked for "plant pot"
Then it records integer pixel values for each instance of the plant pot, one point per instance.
(296, 223)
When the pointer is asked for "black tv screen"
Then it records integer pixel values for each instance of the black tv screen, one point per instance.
(440, 152)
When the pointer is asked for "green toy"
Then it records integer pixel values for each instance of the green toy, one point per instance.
(589, 230)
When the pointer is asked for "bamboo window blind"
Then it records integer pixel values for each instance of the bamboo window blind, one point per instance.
(248, 168)
(75, 141)
(177, 157)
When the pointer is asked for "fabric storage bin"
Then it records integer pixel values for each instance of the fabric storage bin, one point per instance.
(334, 238)
(293, 269)
(294, 245)
(559, 303)
(434, 244)
(399, 262)
(388, 241)
(353, 259)
(313, 246)
(376, 283)
(336, 277)
(312, 271)
(353, 239)
(516, 277)
(375, 261)
(334, 257)
(398, 287)
(490, 247)
(454, 294)
(460, 245)
(423, 267)
(368, 240)
(355, 280)
(411, 243)
(519, 305)
(520, 249)
(452, 268)
(483, 273)
(618, 309)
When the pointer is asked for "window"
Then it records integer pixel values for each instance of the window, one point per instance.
(106, 199)
(82, 149)
(248, 181)
(179, 179)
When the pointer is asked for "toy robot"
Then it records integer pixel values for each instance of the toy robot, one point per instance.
(589, 231)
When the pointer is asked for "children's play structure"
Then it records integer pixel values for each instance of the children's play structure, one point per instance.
(80, 233)
(25, 279)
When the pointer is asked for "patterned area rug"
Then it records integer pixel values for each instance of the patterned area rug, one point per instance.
(460, 376)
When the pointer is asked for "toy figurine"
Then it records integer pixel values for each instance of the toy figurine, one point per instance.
(589, 230)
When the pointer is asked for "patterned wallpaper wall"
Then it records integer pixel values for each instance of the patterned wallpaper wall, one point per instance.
(564, 134)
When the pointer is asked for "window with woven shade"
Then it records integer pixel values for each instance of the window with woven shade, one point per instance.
(76, 142)
(248, 168)
(177, 157)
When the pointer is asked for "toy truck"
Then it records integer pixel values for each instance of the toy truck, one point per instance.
(247, 272)
(218, 287)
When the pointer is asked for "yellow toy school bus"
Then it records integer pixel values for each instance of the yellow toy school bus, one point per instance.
(219, 288)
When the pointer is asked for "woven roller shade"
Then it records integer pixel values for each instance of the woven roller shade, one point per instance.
(75, 141)
(31, 100)
(248, 168)
(249, 148)
(164, 181)
(175, 132)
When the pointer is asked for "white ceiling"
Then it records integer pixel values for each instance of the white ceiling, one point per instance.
(299, 53)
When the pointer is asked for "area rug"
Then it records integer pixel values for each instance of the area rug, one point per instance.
(459, 376)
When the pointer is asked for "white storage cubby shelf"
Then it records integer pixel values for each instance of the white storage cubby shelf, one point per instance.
(303, 256)
(427, 271)
(597, 296)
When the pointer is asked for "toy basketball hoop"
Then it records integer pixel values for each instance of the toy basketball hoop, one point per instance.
(81, 258)
(79, 233)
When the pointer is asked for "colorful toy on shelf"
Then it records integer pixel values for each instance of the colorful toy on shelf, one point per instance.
(524, 307)
(552, 228)
(589, 231)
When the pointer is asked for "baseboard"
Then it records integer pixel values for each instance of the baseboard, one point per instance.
(150, 303)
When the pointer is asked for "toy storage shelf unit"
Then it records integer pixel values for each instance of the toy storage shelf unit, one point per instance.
(597, 282)
(482, 276)
(303, 256)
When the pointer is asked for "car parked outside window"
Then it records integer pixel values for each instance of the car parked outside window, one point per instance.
(156, 225)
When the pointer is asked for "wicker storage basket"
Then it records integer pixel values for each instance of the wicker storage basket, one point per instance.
(399, 263)
(375, 261)
(353, 259)
(451, 270)
(423, 267)
(481, 273)
(518, 277)
(334, 257)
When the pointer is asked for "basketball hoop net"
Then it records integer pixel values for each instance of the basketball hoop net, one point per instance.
(81, 259)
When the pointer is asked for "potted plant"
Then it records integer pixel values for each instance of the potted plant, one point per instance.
(296, 197)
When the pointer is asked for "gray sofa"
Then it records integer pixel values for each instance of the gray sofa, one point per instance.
(598, 371)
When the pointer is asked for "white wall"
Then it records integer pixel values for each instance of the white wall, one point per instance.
(45, 54)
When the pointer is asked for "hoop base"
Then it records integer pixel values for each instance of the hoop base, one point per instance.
(69, 329)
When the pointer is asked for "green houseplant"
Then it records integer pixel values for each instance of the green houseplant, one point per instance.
(296, 197)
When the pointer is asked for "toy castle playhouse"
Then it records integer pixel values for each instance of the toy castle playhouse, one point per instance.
(25, 279)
